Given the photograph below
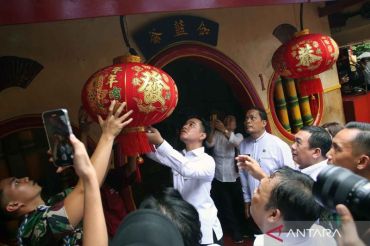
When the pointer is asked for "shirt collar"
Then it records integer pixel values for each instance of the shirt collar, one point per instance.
(260, 137)
(313, 167)
(196, 152)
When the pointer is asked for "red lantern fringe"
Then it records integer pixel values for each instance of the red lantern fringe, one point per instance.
(139, 162)
(309, 86)
(314, 105)
(134, 142)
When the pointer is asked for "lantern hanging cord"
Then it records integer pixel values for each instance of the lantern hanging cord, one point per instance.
(122, 21)
(301, 16)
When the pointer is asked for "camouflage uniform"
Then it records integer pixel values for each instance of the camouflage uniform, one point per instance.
(49, 225)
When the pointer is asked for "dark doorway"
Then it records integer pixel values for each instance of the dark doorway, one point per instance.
(202, 91)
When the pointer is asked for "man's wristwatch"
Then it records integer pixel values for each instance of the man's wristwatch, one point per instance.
(157, 145)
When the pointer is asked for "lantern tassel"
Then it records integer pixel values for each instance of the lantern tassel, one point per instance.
(133, 143)
(310, 85)
(314, 105)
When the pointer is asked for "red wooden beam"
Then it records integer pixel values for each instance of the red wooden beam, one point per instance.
(31, 11)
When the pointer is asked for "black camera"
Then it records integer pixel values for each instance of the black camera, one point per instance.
(337, 185)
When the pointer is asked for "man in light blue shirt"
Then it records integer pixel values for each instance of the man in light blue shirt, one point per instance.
(268, 150)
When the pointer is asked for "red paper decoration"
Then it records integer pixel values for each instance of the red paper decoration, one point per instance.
(148, 91)
(305, 56)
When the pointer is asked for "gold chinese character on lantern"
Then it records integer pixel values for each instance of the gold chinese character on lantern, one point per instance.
(116, 70)
(306, 56)
(155, 37)
(111, 80)
(152, 87)
(180, 28)
(203, 30)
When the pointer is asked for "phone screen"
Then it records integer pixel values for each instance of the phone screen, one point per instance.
(58, 129)
(213, 117)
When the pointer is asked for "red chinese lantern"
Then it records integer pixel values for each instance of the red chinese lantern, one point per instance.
(148, 91)
(305, 56)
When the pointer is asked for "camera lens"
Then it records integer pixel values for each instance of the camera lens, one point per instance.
(336, 185)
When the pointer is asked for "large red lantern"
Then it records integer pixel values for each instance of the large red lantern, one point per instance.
(148, 91)
(305, 56)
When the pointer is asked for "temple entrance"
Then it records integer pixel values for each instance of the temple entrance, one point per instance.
(208, 82)
(202, 92)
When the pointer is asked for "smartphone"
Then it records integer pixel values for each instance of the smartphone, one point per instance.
(213, 117)
(58, 128)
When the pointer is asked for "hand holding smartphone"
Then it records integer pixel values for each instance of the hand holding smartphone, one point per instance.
(58, 129)
(213, 117)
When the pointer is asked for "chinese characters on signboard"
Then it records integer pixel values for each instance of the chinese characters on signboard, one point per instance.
(164, 32)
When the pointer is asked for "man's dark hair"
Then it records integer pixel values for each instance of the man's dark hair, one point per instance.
(363, 126)
(170, 203)
(292, 195)
(333, 127)
(261, 112)
(361, 143)
(319, 138)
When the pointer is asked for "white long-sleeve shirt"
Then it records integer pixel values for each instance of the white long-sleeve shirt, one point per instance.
(270, 152)
(193, 172)
(314, 170)
(224, 155)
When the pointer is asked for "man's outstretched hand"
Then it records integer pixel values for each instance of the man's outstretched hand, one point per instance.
(154, 136)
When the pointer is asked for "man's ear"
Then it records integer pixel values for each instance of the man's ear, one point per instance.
(363, 162)
(203, 136)
(317, 153)
(274, 215)
(264, 122)
(13, 206)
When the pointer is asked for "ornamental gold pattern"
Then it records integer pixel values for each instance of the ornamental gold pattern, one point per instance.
(306, 56)
(152, 87)
(96, 94)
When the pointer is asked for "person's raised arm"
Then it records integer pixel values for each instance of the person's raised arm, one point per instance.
(111, 127)
(210, 138)
(168, 156)
(94, 227)
(249, 164)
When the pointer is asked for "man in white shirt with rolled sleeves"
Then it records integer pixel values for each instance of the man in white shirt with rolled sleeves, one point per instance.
(268, 150)
(193, 171)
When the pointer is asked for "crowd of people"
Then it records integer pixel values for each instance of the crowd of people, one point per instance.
(256, 186)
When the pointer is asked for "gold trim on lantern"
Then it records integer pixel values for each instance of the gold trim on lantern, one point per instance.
(126, 58)
(133, 129)
(301, 33)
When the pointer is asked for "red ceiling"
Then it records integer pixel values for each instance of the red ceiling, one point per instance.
(30, 11)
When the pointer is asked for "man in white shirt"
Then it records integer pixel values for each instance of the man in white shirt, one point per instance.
(309, 149)
(269, 151)
(285, 210)
(226, 189)
(193, 171)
